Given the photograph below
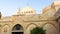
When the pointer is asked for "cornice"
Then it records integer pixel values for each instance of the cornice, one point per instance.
(4, 21)
(39, 20)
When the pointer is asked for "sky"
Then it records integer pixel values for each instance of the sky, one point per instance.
(9, 7)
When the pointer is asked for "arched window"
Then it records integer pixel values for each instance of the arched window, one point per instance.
(17, 29)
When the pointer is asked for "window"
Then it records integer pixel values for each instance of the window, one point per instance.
(17, 27)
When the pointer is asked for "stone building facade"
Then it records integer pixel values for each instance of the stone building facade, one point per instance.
(26, 19)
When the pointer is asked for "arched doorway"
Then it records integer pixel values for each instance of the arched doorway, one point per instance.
(17, 29)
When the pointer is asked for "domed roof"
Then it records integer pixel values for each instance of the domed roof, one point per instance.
(47, 8)
(27, 10)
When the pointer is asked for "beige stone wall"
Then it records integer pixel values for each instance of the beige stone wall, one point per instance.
(47, 20)
(27, 26)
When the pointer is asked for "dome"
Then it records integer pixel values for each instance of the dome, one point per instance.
(47, 8)
(27, 10)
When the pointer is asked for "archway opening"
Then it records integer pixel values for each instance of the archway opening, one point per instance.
(50, 29)
(17, 29)
(30, 27)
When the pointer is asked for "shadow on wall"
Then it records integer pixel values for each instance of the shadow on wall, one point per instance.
(57, 16)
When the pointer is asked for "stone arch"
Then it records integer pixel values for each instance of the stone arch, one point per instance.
(5, 25)
(5, 29)
(30, 27)
(50, 29)
(49, 23)
(30, 24)
(17, 29)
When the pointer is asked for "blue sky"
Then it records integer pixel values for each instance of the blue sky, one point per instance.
(9, 7)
